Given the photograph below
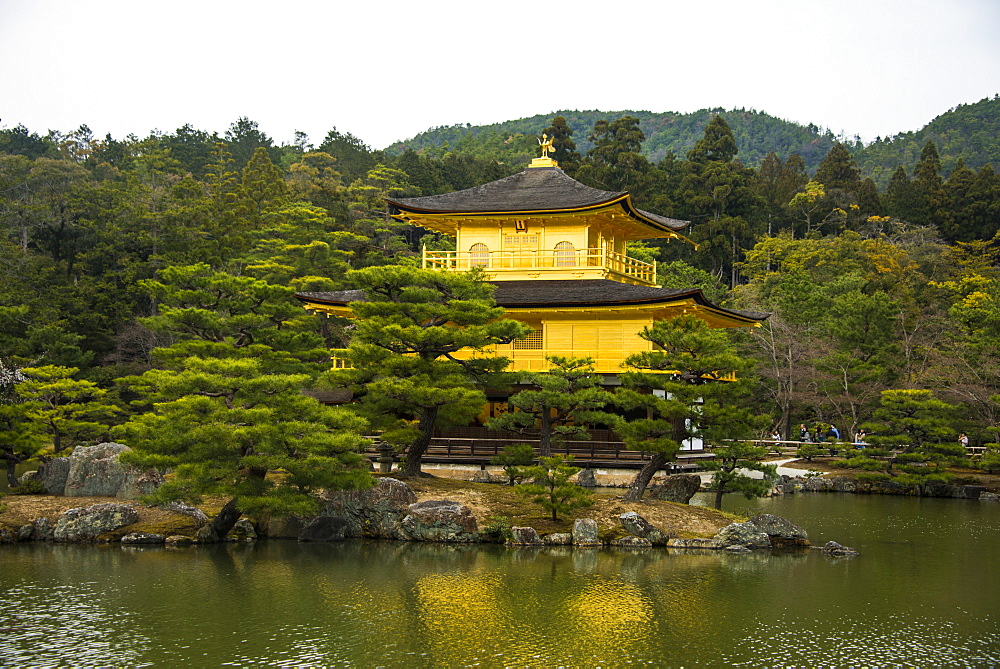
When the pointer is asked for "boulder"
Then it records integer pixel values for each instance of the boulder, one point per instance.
(782, 532)
(585, 532)
(482, 476)
(695, 543)
(42, 529)
(972, 491)
(524, 536)
(54, 474)
(587, 478)
(97, 471)
(638, 526)
(324, 528)
(678, 488)
(7, 537)
(25, 532)
(989, 497)
(87, 524)
(243, 531)
(558, 539)
(178, 506)
(377, 512)
(140, 538)
(440, 520)
(843, 484)
(737, 549)
(178, 540)
(632, 542)
(817, 484)
(833, 549)
(743, 534)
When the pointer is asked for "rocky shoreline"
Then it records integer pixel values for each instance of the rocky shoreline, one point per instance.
(791, 485)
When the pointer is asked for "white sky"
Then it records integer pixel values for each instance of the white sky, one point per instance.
(386, 70)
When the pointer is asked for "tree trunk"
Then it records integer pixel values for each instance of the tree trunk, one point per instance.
(416, 451)
(545, 436)
(718, 497)
(637, 488)
(224, 521)
(11, 476)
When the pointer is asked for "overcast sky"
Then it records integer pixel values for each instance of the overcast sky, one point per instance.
(386, 71)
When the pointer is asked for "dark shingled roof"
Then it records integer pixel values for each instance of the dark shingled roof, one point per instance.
(537, 189)
(564, 292)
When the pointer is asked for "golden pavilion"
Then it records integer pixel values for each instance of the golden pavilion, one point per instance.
(556, 251)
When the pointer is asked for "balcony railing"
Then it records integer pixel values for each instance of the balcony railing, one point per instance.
(544, 260)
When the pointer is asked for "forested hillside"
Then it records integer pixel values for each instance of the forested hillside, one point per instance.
(969, 132)
(756, 133)
(126, 257)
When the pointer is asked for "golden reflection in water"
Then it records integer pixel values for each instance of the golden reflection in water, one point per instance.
(611, 612)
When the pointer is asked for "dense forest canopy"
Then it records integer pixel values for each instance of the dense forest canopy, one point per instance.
(119, 257)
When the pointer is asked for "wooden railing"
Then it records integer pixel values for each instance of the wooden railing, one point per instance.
(542, 260)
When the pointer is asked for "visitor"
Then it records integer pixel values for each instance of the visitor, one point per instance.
(804, 433)
(963, 440)
(859, 438)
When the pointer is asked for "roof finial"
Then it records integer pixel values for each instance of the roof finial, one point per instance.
(546, 143)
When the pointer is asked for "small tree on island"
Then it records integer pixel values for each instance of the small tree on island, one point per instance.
(730, 461)
(405, 369)
(551, 487)
(559, 404)
(514, 458)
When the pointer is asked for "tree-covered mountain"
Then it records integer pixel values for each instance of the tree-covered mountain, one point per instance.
(970, 132)
(515, 141)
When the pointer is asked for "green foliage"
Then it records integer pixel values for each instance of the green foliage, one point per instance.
(558, 404)
(513, 459)
(221, 425)
(808, 451)
(419, 352)
(731, 458)
(29, 487)
(551, 488)
(498, 529)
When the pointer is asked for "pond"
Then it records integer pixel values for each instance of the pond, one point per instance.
(924, 591)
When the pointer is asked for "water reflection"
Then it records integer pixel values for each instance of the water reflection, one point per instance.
(923, 592)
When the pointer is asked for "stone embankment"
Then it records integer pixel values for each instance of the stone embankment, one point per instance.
(789, 485)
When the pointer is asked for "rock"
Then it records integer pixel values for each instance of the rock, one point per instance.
(482, 476)
(587, 478)
(817, 484)
(54, 474)
(25, 532)
(30, 476)
(989, 497)
(524, 536)
(843, 484)
(87, 524)
(972, 491)
(96, 471)
(737, 549)
(782, 532)
(376, 513)
(743, 534)
(638, 526)
(206, 535)
(695, 543)
(178, 506)
(324, 528)
(585, 532)
(833, 549)
(243, 531)
(42, 529)
(440, 520)
(558, 539)
(632, 542)
(138, 538)
(678, 488)
(178, 540)
(7, 537)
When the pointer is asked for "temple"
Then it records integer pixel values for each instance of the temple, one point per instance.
(556, 251)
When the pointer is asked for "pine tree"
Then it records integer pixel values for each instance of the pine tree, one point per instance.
(564, 148)
(418, 357)
(838, 170)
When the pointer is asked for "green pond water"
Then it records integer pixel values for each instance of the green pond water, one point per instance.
(925, 591)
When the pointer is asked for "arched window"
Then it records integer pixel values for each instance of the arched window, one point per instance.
(565, 254)
(479, 255)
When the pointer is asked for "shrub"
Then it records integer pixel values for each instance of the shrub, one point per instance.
(498, 529)
(552, 489)
(29, 487)
(514, 458)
